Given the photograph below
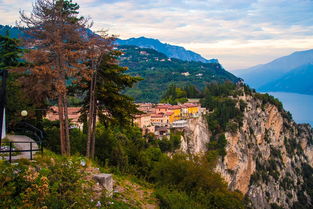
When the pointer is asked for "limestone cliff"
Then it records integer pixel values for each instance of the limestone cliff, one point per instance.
(196, 136)
(269, 158)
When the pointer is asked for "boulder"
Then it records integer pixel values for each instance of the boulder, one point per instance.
(106, 181)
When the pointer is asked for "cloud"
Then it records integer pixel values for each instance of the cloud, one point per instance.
(9, 10)
(238, 32)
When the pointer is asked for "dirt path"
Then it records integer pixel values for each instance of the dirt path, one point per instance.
(22, 146)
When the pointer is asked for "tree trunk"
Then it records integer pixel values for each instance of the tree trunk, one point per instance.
(91, 121)
(93, 134)
(91, 106)
(62, 130)
(66, 126)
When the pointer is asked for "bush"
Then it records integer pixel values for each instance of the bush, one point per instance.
(266, 98)
(52, 135)
(175, 199)
(219, 144)
(171, 144)
(51, 182)
(196, 179)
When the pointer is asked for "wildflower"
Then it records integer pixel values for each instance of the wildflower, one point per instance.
(98, 204)
(83, 163)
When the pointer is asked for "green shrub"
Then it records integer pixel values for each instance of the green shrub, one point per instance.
(196, 179)
(266, 98)
(171, 144)
(175, 200)
(51, 182)
(218, 144)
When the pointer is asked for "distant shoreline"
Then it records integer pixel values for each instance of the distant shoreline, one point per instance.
(300, 105)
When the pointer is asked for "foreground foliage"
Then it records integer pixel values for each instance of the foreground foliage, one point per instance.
(178, 180)
(192, 183)
(52, 182)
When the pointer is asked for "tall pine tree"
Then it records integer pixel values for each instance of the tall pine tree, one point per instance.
(57, 46)
(104, 93)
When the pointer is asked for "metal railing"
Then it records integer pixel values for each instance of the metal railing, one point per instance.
(30, 131)
(26, 129)
(11, 149)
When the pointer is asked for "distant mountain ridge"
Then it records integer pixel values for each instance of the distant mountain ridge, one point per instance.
(14, 32)
(289, 74)
(298, 80)
(169, 50)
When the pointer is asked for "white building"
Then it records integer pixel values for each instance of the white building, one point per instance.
(179, 124)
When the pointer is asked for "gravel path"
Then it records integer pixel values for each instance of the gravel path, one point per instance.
(22, 146)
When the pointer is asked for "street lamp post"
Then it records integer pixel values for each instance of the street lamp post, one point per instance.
(4, 75)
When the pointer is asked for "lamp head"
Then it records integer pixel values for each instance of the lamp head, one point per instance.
(24, 113)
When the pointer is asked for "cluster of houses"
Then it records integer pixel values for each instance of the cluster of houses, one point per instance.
(155, 118)
(73, 115)
(160, 118)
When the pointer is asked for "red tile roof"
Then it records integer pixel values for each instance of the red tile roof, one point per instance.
(174, 107)
(163, 106)
(73, 113)
(142, 115)
(190, 105)
(157, 115)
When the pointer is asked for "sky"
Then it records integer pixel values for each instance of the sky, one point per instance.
(239, 33)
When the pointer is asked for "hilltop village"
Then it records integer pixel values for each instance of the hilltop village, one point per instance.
(155, 118)
(160, 118)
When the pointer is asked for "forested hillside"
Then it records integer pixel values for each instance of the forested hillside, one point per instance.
(159, 72)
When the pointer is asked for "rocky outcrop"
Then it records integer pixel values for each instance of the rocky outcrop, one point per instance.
(267, 158)
(196, 136)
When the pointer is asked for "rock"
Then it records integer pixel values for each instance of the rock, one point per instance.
(196, 136)
(266, 158)
(106, 181)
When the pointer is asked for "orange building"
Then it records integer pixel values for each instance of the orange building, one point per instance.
(171, 117)
(143, 120)
(176, 109)
(145, 107)
(193, 109)
(160, 119)
(162, 108)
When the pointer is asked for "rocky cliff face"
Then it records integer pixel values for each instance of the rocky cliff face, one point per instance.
(196, 136)
(269, 159)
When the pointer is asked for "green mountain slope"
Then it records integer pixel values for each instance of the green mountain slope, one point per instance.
(159, 71)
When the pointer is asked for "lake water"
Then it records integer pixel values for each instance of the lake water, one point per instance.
(300, 105)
